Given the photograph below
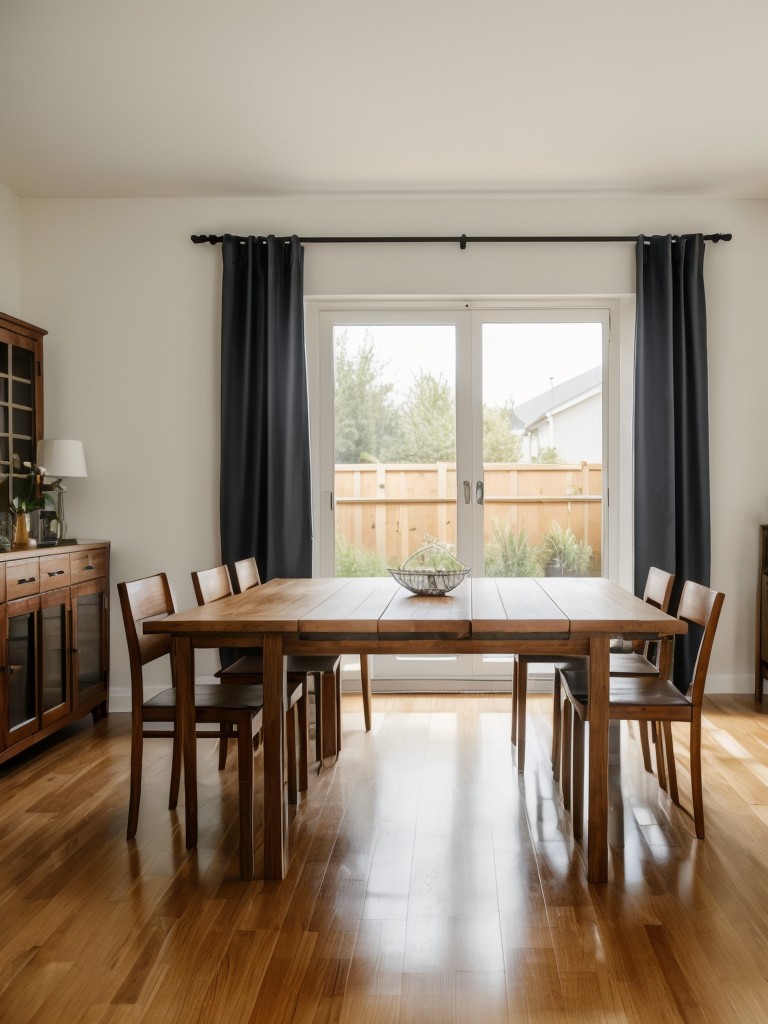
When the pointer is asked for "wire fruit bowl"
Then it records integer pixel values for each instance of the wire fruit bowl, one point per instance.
(429, 582)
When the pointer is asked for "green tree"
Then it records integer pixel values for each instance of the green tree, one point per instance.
(364, 412)
(427, 422)
(499, 443)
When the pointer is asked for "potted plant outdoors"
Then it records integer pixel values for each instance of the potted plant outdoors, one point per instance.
(29, 500)
(568, 556)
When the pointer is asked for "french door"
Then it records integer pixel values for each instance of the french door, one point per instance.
(482, 429)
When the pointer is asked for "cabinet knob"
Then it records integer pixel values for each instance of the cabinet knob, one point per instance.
(88, 568)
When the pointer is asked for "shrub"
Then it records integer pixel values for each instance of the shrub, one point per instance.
(510, 554)
(565, 552)
(352, 561)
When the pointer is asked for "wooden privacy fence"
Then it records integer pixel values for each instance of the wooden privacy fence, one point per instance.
(387, 509)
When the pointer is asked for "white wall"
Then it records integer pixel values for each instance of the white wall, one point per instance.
(10, 254)
(132, 307)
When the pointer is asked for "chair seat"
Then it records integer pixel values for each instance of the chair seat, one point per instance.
(297, 668)
(210, 696)
(621, 664)
(253, 664)
(632, 664)
(627, 692)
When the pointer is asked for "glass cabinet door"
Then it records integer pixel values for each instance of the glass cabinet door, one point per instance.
(54, 652)
(89, 639)
(21, 717)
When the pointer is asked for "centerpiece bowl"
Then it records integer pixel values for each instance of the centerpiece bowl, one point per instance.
(432, 571)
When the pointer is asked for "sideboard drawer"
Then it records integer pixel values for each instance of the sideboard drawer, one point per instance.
(54, 572)
(87, 565)
(22, 578)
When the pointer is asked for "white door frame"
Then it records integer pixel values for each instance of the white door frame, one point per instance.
(619, 313)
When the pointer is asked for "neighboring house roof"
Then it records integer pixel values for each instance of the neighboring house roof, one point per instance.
(572, 390)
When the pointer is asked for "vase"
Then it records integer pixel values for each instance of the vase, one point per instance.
(21, 537)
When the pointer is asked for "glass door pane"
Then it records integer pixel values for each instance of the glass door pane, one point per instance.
(394, 454)
(54, 640)
(542, 452)
(22, 702)
(542, 448)
(394, 443)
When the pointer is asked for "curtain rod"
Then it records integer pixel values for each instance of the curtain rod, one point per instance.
(462, 240)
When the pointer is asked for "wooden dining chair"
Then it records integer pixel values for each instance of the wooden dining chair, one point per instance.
(213, 585)
(636, 658)
(244, 576)
(643, 699)
(632, 661)
(236, 710)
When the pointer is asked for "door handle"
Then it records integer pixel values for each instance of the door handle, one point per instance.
(467, 492)
(479, 492)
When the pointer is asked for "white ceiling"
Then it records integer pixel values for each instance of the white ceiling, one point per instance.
(290, 97)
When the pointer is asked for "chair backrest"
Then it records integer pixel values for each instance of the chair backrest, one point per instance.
(246, 574)
(658, 591)
(140, 600)
(658, 588)
(701, 606)
(211, 584)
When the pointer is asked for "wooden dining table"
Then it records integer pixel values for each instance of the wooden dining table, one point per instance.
(554, 616)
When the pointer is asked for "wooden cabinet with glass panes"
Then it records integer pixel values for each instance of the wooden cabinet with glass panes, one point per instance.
(21, 405)
(54, 610)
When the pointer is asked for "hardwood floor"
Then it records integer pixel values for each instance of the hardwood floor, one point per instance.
(428, 882)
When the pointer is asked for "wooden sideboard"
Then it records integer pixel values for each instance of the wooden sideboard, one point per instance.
(54, 624)
(761, 624)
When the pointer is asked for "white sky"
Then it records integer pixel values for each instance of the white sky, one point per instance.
(520, 361)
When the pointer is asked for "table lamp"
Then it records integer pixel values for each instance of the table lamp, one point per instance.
(61, 459)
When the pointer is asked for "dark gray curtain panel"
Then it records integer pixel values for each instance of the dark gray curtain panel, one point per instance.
(671, 456)
(265, 474)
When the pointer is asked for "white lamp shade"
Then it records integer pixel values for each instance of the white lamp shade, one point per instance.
(61, 458)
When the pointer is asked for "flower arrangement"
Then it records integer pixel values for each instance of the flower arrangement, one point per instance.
(31, 495)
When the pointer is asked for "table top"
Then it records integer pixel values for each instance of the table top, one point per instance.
(379, 608)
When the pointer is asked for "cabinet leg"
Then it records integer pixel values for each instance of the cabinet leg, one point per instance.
(99, 713)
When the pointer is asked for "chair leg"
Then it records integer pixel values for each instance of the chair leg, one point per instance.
(565, 755)
(137, 750)
(645, 745)
(316, 676)
(556, 726)
(173, 796)
(661, 770)
(671, 769)
(365, 681)
(329, 715)
(245, 792)
(301, 708)
(337, 687)
(226, 734)
(290, 747)
(577, 811)
(522, 696)
(515, 662)
(696, 786)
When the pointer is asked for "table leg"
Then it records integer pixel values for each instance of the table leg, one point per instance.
(275, 831)
(597, 844)
(365, 682)
(184, 667)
